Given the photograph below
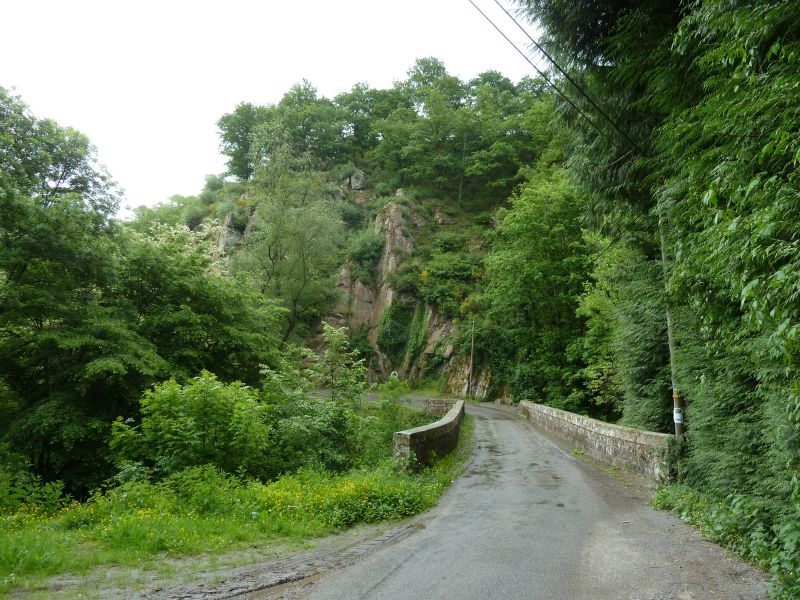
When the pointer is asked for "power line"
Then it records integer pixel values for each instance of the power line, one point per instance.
(566, 75)
(568, 100)
(677, 402)
(541, 74)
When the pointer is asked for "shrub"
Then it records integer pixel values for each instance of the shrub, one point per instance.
(311, 430)
(447, 278)
(350, 214)
(384, 189)
(742, 526)
(406, 278)
(449, 241)
(392, 334)
(364, 251)
(340, 370)
(204, 509)
(202, 422)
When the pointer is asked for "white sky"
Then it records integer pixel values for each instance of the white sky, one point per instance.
(147, 80)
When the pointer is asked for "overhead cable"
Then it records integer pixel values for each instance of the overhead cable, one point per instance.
(566, 75)
(540, 72)
(567, 99)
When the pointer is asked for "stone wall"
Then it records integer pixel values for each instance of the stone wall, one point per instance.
(438, 407)
(640, 451)
(435, 439)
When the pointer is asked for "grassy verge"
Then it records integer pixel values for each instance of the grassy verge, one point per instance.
(431, 388)
(738, 524)
(205, 511)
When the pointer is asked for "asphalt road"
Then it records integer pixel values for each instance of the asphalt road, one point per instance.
(529, 520)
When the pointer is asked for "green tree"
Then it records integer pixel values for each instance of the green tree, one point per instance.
(292, 254)
(364, 249)
(467, 141)
(91, 312)
(340, 370)
(68, 358)
(363, 106)
(535, 271)
(195, 318)
(624, 347)
(708, 91)
(236, 137)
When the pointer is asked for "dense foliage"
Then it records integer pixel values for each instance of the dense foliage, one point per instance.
(578, 249)
(209, 466)
(93, 313)
(535, 272)
(704, 149)
(203, 510)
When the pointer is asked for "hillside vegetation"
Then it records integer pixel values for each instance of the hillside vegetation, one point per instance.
(635, 245)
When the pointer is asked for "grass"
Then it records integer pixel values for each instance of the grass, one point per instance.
(429, 387)
(739, 524)
(205, 511)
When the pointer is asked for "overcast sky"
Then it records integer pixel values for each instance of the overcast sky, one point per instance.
(147, 80)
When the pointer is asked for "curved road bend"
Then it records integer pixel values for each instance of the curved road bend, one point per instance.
(528, 520)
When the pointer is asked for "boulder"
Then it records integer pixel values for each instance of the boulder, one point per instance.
(358, 180)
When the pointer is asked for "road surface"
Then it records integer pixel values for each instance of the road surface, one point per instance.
(529, 520)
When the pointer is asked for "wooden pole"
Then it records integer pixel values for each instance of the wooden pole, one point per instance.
(677, 401)
(471, 359)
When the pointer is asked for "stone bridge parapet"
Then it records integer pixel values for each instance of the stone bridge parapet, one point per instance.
(635, 449)
(418, 447)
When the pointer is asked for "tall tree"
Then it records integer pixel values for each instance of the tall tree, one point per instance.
(292, 253)
(535, 271)
(236, 137)
(61, 346)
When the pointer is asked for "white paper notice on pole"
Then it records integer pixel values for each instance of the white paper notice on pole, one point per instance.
(677, 414)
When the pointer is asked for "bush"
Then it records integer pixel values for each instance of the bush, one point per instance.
(384, 189)
(202, 422)
(392, 335)
(448, 278)
(311, 430)
(204, 509)
(417, 332)
(449, 241)
(340, 370)
(391, 415)
(350, 214)
(742, 526)
(364, 251)
(406, 278)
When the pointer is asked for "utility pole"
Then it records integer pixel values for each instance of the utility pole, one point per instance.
(677, 401)
(471, 358)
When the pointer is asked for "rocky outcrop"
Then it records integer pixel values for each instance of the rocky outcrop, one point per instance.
(438, 330)
(360, 306)
(362, 198)
(391, 222)
(228, 235)
(251, 224)
(358, 180)
(355, 305)
(456, 375)
(397, 248)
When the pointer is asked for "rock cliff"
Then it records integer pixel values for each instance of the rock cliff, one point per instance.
(429, 348)
(360, 305)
